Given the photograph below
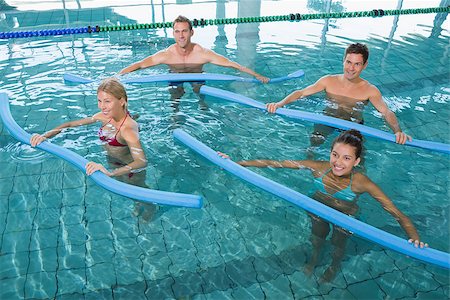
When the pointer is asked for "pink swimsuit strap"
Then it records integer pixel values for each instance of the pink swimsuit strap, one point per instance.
(112, 141)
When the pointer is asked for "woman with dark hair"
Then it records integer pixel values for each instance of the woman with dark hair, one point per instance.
(337, 185)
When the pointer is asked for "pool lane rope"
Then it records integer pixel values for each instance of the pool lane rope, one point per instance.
(321, 119)
(106, 182)
(359, 228)
(204, 22)
(183, 77)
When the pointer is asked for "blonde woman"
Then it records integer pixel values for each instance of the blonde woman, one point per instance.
(118, 131)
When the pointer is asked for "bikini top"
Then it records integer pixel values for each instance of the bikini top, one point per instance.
(112, 141)
(345, 194)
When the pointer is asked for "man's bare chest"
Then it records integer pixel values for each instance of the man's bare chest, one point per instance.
(346, 95)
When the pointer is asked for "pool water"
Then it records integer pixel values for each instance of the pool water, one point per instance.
(62, 236)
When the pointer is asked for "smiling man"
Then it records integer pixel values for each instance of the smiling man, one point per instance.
(185, 56)
(349, 92)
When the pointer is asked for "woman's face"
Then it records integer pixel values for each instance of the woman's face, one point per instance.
(109, 105)
(343, 159)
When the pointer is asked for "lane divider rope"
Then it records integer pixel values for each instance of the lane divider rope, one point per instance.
(205, 22)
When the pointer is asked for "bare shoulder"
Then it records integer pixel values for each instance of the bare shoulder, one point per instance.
(329, 80)
(370, 86)
(131, 124)
(372, 91)
(361, 183)
(169, 51)
(319, 167)
(200, 50)
(198, 47)
(99, 117)
(130, 129)
(159, 57)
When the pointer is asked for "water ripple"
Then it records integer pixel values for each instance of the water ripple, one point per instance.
(25, 153)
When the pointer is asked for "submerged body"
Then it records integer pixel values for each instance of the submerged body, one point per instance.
(187, 57)
(119, 132)
(337, 185)
(347, 91)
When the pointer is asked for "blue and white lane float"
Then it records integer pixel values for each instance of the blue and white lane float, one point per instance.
(115, 186)
(184, 77)
(321, 119)
(361, 229)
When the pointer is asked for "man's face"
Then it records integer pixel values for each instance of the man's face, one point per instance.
(182, 34)
(353, 65)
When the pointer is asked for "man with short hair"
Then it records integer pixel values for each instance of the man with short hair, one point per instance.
(350, 92)
(187, 57)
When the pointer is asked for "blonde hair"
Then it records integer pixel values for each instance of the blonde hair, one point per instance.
(114, 87)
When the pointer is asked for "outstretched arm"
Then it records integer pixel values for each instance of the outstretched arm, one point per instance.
(150, 61)
(318, 86)
(313, 165)
(290, 164)
(220, 60)
(377, 101)
(389, 206)
(36, 139)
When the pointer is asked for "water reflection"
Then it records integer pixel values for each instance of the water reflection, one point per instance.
(439, 20)
(391, 36)
(325, 5)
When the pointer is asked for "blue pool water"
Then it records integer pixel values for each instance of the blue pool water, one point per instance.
(61, 236)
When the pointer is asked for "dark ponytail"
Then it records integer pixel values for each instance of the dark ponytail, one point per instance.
(350, 137)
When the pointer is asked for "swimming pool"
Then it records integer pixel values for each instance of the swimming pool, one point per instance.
(62, 236)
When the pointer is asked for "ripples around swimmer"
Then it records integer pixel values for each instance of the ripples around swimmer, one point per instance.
(25, 153)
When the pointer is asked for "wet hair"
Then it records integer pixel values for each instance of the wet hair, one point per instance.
(114, 87)
(350, 137)
(358, 48)
(182, 19)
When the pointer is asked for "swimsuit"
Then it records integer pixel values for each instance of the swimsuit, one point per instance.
(180, 83)
(112, 141)
(345, 194)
